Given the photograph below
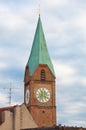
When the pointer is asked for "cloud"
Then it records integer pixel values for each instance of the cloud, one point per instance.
(70, 96)
(3, 99)
(2, 66)
(80, 21)
(65, 74)
(71, 105)
(68, 75)
(64, 26)
(77, 123)
(13, 19)
(16, 89)
(82, 80)
(56, 3)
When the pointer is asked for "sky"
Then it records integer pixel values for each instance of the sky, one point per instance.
(64, 24)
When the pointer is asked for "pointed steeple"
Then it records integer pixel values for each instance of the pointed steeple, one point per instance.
(39, 52)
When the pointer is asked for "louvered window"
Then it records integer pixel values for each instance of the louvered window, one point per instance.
(42, 74)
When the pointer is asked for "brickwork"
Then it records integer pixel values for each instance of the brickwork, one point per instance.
(44, 114)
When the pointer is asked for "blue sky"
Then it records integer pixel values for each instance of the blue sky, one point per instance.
(64, 23)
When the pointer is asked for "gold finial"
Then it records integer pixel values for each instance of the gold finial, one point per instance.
(39, 8)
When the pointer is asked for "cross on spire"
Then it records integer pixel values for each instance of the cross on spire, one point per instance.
(39, 8)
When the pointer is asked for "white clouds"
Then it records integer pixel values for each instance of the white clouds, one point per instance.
(2, 66)
(9, 19)
(7, 58)
(74, 108)
(65, 74)
(2, 63)
(1, 52)
(16, 89)
(80, 21)
(82, 80)
(77, 123)
(70, 97)
(3, 99)
(56, 2)
(57, 29)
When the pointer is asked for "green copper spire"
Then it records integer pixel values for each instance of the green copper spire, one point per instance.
(39, 53)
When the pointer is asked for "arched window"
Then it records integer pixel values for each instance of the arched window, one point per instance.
(42, 74)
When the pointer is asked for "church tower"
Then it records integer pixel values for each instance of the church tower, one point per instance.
(39, 82)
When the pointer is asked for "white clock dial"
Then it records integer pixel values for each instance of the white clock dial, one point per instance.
(27, 96)
(43, 95)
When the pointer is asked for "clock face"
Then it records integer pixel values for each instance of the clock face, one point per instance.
(27, 96)
(43, 95)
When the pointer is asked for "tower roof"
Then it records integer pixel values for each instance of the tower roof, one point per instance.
(39, 52)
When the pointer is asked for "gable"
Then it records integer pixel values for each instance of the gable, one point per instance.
(37, 75)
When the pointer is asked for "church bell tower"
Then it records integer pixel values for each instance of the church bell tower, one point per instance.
(39, 82)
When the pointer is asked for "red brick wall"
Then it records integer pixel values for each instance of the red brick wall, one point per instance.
(43, 116)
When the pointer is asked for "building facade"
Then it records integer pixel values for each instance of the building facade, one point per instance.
(16, 118)
(39, 107)
(39, 82)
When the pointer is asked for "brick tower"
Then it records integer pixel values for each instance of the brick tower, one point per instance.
(39, 82)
